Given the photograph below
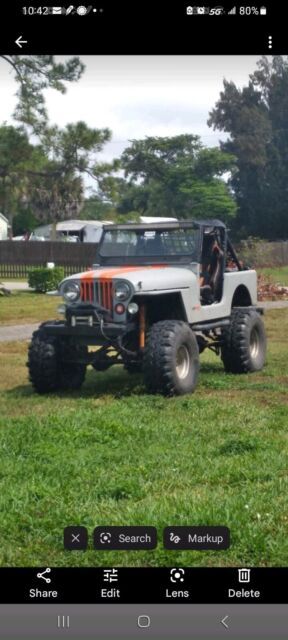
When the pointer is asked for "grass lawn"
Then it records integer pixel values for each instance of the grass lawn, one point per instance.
(23, 307)
(111, 454)
(4, 279)
(278, 275)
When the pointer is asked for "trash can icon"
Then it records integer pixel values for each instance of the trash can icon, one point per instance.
(244, 575)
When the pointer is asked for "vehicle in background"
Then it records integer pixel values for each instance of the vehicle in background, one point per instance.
(152, 219)
(79, 230)
(71, 231)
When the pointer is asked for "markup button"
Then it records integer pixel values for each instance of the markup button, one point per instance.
(126, 538)
(197, 538)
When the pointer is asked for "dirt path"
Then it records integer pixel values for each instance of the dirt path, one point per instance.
(16, 285)
(8, 333)
(274, 304)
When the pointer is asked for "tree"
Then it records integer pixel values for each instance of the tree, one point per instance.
(18, 158)
(94, 208)
(71, 152)
(176, 177)
(256, 119)
(33, 75)
(23, 222)
(56, 198)
(47, 178)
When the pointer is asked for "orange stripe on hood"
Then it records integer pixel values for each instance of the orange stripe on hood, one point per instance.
(115, 271)
(105, 279)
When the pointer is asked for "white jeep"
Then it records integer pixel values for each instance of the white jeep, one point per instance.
(160, 294)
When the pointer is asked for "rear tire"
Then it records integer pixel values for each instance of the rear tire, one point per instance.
(46, 370)
(244, 348)
(171, 359)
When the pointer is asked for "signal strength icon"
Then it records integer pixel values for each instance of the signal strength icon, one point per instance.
(232, 12)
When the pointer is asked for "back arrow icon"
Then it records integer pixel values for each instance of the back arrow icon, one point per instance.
(19, 41)
(224, 622)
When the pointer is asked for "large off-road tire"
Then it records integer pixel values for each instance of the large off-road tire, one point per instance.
(47, 372)
(244, 347)
(72, 374)
(171, 358)
(133, 367)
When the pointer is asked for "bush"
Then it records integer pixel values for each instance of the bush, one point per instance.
(256, 252)
(43, 279)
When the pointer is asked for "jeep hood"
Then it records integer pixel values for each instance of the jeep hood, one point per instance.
(143, 278)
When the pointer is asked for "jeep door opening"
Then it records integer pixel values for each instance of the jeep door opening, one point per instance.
(158, 296)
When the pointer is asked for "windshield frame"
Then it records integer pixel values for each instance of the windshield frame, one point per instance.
(150, 259)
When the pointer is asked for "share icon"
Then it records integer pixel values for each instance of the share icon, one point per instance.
(43, 576)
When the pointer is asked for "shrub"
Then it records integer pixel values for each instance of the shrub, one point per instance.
(43, 279)
(256, 252)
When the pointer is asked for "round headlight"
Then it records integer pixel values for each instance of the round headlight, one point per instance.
(71, 291)
(122, 291)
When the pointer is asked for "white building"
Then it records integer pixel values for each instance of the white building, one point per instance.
(4, 225)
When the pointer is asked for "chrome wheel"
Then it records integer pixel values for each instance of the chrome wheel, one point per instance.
(182, 362)
(254, 343)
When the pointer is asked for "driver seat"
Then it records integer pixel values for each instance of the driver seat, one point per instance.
(212, 291)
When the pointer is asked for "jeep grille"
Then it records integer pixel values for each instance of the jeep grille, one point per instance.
(96, 291)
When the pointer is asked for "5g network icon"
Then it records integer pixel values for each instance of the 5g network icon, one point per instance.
(216, 11)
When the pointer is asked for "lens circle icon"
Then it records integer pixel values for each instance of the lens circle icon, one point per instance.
(81, 10)
(105, 537)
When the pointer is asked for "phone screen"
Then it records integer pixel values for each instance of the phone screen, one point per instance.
(143, 321)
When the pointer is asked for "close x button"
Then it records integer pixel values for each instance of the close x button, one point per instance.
(75, 538)
(126, 538)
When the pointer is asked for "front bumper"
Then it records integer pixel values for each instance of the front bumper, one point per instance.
(87, 310)
(96, 335)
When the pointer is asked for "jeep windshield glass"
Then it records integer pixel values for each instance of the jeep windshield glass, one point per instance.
(144, 243)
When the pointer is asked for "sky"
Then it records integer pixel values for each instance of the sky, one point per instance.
(138, 96)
